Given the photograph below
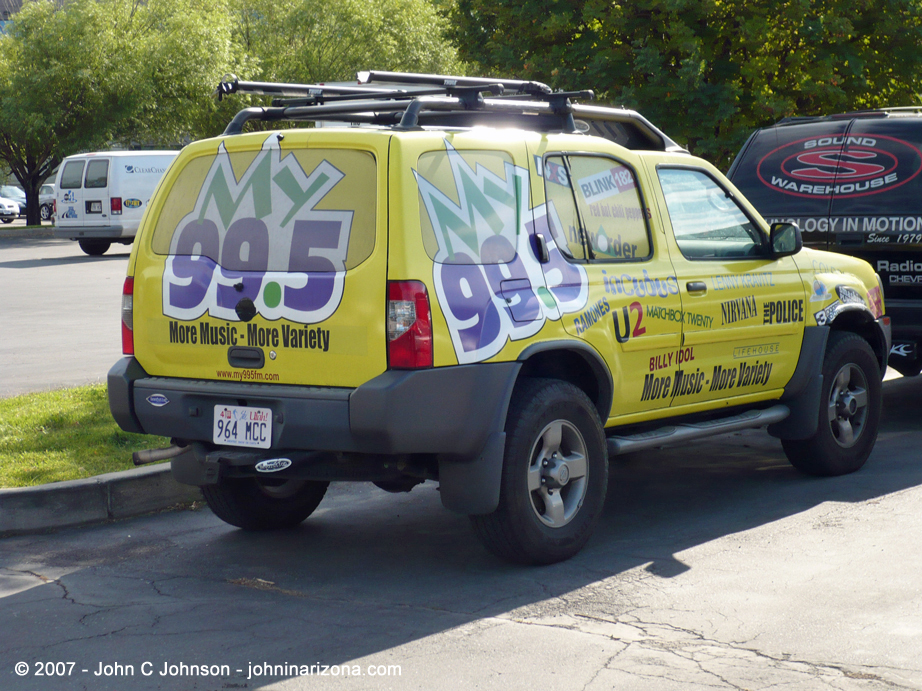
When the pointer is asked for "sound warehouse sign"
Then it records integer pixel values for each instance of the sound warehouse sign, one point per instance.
(820, 167)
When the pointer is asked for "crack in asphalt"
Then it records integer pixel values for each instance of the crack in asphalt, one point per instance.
(685, 650)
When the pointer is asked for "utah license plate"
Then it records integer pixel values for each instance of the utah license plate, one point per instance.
(236, 425)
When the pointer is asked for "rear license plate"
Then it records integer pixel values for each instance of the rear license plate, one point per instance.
(94, 207)
(236, 425)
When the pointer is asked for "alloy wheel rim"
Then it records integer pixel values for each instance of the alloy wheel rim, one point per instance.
(557, 474)
(847, 409)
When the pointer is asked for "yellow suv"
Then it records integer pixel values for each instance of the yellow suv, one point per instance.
(479, 282)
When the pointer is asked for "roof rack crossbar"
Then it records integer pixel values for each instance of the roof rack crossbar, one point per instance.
(415, 79)
(468, 95)
(230, 84)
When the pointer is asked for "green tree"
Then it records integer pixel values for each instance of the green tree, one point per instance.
(310, 41)
(91, 72)
(706, 71)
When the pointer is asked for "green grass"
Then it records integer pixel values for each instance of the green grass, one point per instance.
(63, 435)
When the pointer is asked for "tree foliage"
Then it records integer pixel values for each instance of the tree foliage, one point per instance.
(84, 74)
(92, 72)
(311, 41)
(706, 71)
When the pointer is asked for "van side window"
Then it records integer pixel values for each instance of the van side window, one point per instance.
(72, 177)
(97, 174)
(602, 215)
(706, 220)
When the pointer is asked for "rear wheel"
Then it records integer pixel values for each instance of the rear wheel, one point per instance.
(555, 476)
(94, 248)
(849, 412)
(257, 504)
(45, 212)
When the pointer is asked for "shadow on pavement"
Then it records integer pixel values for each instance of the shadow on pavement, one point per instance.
(372, 571)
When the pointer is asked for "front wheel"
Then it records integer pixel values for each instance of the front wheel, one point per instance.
(555, 476)
(849, 412)
(45, 212)
(257, 504)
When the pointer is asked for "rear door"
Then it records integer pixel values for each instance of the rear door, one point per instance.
(598, 215)
(70, 193)
(264, 261)
(96, 192)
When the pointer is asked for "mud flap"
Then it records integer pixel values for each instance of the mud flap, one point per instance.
(471, 486)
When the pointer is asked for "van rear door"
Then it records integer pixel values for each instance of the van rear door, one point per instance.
(96, 192)
(69, 199)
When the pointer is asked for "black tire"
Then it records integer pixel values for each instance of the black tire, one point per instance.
(849, 413)
(94, 248)
(257, 504)
(45, 212)
(547, 417)
(7, 220)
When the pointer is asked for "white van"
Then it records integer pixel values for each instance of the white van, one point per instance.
(100, 197)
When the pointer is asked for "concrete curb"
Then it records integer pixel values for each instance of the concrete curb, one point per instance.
(92, 500)
(30, 232)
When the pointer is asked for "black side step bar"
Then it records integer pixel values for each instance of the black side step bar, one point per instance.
(674, 434)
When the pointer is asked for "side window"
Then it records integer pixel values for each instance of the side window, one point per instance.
(563, 217)
(601, 214)
(468, 206)
(72, 177)
(706, 220)
(611, 209)
(97, 174)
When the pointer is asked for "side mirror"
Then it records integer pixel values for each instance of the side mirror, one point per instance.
(785, 239)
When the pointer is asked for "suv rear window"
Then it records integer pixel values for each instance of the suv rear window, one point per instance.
(306, 210)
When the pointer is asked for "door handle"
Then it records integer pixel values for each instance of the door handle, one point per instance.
(696, 287)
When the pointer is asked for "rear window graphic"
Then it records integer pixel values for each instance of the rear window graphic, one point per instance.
(281, 228)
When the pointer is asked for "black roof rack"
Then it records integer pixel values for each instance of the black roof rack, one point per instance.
(410, 101)
(850, 115)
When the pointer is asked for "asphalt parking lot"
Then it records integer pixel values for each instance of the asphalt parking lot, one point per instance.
(716, 565)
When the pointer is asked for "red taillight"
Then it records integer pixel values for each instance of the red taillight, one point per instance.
(128, 317)
(116, 204)
(409, 326)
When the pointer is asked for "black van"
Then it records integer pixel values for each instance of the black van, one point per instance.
(852, 183)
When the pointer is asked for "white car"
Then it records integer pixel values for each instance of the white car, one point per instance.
(9, 210)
